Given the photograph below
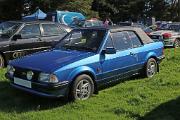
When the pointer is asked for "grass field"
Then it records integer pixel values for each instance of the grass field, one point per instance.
(157, 98)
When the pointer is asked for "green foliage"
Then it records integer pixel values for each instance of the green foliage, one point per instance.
(154, 98)
(10, 9)
(83, 6)
(121, 10)
(117, 10)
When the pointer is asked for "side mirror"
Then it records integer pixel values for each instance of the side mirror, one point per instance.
(17, 36)
(109, 50)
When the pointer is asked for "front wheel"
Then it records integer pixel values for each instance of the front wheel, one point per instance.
(151, 68)
(82, 88)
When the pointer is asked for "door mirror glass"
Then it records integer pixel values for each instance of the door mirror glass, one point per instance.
(109, 50)
(17, 36)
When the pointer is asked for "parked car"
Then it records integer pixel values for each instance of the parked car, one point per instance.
(18, 38)
(86, 59)
(87, 23)
(127, 23)
(163, 25)
(175, 27)
(170, 37)
(93, 23)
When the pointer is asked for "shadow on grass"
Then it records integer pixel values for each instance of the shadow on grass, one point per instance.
(119, 81)
(13, 100)
(166, 111)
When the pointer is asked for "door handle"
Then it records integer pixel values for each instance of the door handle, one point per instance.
(132, 54)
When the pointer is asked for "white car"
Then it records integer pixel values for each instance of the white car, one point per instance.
(168, 37)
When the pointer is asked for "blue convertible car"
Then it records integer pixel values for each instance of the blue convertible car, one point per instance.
(85, 59)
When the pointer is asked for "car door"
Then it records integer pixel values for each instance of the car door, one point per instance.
(118, 65)
(28, 42)
(138, 50)
(51, 34)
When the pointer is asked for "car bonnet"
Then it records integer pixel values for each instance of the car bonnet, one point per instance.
(50, 61)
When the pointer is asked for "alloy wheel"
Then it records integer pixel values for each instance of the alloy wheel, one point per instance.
(151, 69)
(83, 90)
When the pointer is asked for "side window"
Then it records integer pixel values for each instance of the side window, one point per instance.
(108, 43)
(135, 39)
(51, 30)
(30, 31)
(121, 41)
(78, 38)
(88, 24)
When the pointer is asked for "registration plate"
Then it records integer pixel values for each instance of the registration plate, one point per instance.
(22, 82)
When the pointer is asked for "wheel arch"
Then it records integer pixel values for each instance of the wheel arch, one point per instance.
(86, 72)
(154, 57)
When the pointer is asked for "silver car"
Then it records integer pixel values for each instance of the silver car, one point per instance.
(170, 37)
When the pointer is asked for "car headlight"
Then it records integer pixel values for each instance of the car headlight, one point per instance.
(10, 70)
(48, 78)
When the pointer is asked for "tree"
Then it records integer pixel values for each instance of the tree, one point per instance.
(10, 9)
(83, 6)
(122, 10)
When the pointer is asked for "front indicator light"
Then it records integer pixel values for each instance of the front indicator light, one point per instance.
(53, 79)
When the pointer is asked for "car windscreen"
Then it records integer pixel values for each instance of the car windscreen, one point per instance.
(83, 40)
(7, 29)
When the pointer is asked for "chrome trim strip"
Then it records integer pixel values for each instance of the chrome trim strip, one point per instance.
(27, 49)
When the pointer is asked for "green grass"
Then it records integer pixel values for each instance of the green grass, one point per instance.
(157, 98)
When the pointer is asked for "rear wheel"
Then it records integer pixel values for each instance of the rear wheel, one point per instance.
(82, 88)
(151, 68)
(2, 62)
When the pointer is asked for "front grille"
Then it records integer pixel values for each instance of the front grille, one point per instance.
(21, 73)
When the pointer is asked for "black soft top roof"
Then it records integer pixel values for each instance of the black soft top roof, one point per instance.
(143, 36)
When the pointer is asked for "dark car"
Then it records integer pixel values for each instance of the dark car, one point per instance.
(127, 23)
(86, 59)
(19, 38)
(87, 23)
(174, 27)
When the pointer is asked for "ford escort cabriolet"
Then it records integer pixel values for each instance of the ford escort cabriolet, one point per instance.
(84, 60)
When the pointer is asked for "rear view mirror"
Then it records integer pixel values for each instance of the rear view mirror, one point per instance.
(109, 50)
(17, 36)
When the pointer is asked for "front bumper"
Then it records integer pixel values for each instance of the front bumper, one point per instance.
(43, 89)
(160, 58)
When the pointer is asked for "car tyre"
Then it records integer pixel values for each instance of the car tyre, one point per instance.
(176, 44)
(82, 88)
(151, 68)
(2, 62)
